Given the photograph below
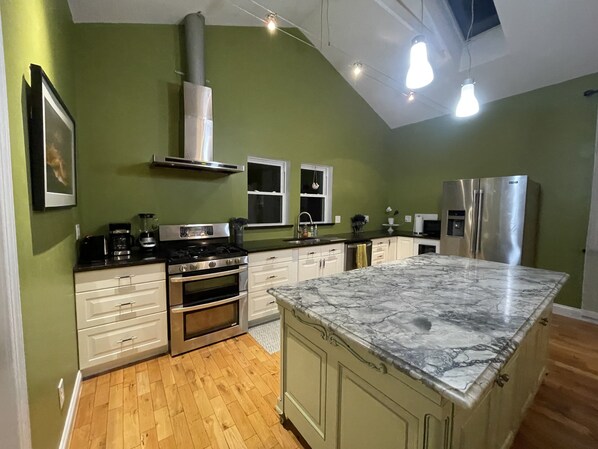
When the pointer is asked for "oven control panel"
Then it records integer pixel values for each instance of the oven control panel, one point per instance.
(206, 265)
(197, 231)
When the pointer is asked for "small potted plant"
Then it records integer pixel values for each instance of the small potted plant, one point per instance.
(391, 215)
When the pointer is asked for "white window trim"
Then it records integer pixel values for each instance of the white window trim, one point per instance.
(284, 193)
(327, 195)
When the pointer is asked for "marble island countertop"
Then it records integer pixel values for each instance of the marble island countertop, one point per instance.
(449, 322)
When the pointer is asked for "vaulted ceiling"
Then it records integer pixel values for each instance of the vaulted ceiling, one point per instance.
(539, 43)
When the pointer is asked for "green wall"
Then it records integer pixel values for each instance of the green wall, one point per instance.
(273, 97)
(41, 32)
(548, 134)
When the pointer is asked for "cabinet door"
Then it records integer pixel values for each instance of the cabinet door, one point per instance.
(332, 265)
(404, 247)
(391, 253)
(369, 419)
(504, 416)
(309, 269)
(261, 305)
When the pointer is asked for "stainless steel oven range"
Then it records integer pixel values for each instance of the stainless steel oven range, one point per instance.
(207, 285)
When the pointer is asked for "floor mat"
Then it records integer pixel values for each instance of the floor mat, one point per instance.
(267, 335)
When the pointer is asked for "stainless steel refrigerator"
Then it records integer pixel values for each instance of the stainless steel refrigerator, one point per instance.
(491, 218)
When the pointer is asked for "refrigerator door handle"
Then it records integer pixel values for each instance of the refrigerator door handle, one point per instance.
(478, 238)
(474, 237)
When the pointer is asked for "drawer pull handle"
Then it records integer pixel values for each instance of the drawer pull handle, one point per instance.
(122, 304)
(502, 380)
(127, 276)
(544, 321)
(271, 302)
(311, 253)
(125, 340)
(332, 250)
(271, 257)
(272, 277)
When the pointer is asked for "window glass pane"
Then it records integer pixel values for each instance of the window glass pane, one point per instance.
(265, 209)
(315, 207)
(308, 177)
(262, 177)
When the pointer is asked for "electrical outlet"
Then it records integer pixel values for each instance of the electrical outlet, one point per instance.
(337, 219)
(367, 218)
(407, 218)
(77, 231)
(61, 393)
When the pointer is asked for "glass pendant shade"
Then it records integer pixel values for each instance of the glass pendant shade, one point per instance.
(468, 104)
(420, 71)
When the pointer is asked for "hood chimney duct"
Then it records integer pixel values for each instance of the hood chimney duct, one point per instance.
(194, 40)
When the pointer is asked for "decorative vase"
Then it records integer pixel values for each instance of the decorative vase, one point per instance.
(391, 220)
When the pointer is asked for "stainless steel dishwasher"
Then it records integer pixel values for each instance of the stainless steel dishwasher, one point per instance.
(351, 254)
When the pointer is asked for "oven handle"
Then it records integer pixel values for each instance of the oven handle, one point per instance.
(183, 309)
(199, 277)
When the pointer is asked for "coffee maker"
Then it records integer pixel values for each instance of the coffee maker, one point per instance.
(120, 239)
(148, 226)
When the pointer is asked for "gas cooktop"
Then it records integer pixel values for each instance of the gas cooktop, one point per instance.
(192, 252)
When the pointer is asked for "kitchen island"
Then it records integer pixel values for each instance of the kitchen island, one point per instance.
(431, 352)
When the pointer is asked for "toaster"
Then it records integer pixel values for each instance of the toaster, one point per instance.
(92, 248)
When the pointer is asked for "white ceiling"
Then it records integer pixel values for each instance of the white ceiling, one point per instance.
(539, 43)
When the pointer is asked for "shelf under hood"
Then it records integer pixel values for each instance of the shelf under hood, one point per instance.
(190, 164)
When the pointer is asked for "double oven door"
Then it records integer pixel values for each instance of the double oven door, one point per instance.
(207, 307)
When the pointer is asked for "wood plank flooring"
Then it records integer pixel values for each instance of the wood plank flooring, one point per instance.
(223, 397)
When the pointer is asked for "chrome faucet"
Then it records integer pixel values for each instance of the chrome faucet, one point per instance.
(311, 222)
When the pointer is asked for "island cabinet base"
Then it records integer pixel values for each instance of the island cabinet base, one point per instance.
(339, 396)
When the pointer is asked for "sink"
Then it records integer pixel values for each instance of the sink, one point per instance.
(306, 241)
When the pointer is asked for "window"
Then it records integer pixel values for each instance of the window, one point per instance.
(267, 197)
(485, 15)
(316, 193)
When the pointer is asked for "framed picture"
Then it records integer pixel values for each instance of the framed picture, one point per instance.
(51, 146)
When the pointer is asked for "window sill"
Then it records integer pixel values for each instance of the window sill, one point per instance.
(249, 227)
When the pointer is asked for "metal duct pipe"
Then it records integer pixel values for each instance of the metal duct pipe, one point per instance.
(194, 40)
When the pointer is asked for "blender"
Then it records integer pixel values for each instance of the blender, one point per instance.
(148, 226)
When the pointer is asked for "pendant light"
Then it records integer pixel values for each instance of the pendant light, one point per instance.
(468, 104)
(420, 72)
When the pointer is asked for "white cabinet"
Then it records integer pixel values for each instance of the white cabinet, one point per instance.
(320, 261)
(384, 250)
(404, 247)
(266, 270)
(121, 316)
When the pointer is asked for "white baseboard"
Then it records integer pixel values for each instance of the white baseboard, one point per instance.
(70, 416)
(578, 314)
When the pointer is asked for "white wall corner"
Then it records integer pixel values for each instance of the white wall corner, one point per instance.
(72, 412)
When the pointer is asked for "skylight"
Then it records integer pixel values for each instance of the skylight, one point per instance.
(485, 15)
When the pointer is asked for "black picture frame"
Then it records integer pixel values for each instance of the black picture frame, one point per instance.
(52, 146)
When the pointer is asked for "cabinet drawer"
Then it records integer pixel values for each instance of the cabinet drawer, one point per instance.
(261, 304)
(271, 257)
(378, 258)
(332, 250)
(310, 252)
(379, 243)
(126, 340)
(266, 276)
(111, 305)
(118, 277)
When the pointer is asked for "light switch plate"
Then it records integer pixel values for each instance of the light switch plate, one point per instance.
(61, 393)
(337, 219)
(407, 218)
(77, 231)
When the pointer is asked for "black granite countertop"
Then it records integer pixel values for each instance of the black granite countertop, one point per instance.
(137, 258)
(256, 246)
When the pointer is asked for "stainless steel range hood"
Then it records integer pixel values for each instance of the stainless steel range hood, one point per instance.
(199, 133)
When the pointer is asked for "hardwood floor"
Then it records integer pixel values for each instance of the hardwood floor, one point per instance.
(223, 396)
(564, 414)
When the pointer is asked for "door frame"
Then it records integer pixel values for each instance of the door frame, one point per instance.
(12, 355)
(591, 246)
